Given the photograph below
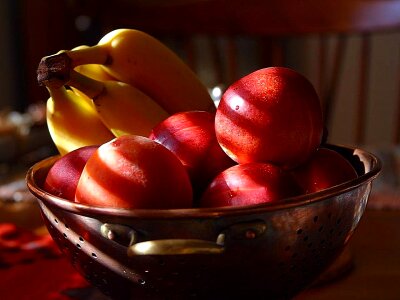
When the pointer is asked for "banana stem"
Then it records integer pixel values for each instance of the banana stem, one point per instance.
(56, 70)
(53, 71)
(91, 87)
(90, 55)
(57, 92)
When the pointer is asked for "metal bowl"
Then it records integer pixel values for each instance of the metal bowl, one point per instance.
(270, 250)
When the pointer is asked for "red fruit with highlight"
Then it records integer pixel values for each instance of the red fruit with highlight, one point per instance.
(62, 178)
(271, 115)
(325, 169)
(191, 137)
(134, 172)
(247, 184)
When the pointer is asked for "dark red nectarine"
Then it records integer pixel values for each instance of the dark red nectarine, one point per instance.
(191, 137)
(326, 168)
(62, 178)
(247, 184)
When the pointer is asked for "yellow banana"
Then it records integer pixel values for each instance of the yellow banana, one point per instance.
(94, 71)
(72, 121)
(123, 108)
(134, 57)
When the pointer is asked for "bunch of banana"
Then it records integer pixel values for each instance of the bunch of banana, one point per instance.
(69, 111)
(123, 108)
(129, 80)
(134, 57)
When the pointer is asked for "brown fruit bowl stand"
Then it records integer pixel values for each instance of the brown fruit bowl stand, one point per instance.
(271, 251)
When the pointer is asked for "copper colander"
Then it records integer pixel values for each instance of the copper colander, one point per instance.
(264, 251)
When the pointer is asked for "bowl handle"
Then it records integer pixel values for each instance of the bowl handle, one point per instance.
(127, 237)
(177, 247)
(240, 231)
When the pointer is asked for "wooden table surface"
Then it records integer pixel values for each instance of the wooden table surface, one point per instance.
(375, 247)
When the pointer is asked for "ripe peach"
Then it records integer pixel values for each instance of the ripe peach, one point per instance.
(325, 169)
(250, 183)
(191, 137)
(271, 115)
(134, 172)
(62, 178)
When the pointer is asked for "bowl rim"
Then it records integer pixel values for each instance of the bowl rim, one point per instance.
(371, 162)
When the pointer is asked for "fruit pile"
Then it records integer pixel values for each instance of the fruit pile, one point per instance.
(138, 130)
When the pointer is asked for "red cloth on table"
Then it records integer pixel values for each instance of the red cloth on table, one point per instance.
(32, 267)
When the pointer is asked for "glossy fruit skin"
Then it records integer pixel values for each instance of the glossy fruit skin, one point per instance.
(134, 172)
(247, 184)
(326, 168)
(62, 178)
(191, 137)
(271, 115)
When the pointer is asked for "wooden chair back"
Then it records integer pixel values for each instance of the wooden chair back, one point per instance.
(270, 26)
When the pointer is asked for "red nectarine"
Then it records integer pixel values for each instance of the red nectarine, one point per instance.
(326, 168)
(271, 115)
(191, 137)
(134, 172)
(62, 178)
(250, 183)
